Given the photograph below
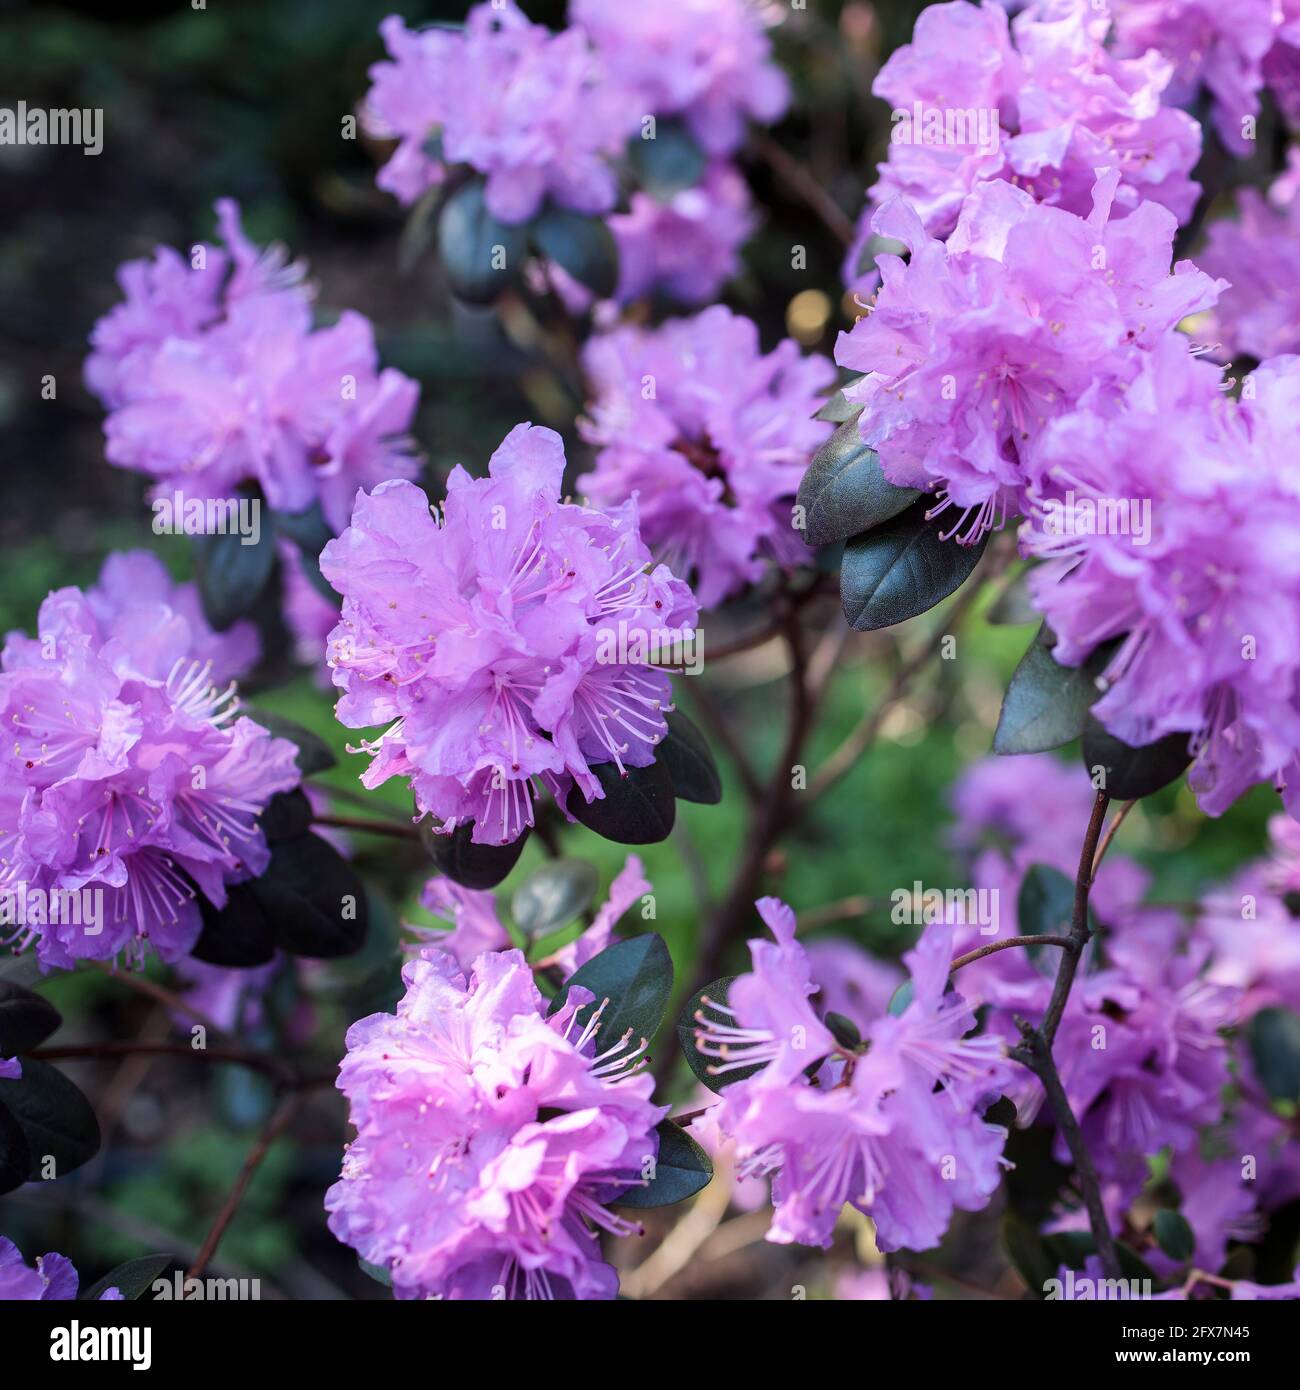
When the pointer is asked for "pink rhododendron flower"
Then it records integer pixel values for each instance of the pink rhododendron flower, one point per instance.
(711, 436)
(706, 61)
(1044, 112)
(53, 1277)
(129, 774)
(529, 109)
(974, 347)
(505, 642)
(490, 1137)
(215, 379)
(895, 1130)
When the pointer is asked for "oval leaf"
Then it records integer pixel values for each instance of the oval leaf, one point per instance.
(1173, 1235)
(313, 899)
(668, 163)
(56, 1119)
(237, 936)
(844, 492)
(583, 246)
(1046, 704)
(232, 575)
(1275, 1049)
(690, 764)
(480, 255)
(553, 896)
(26, 1019)
(1129, 773)
(15, 1153)
(636, 976)
(682, 1169)
(464, 862)
(638, 806)
(133, 1279)
(901, 569)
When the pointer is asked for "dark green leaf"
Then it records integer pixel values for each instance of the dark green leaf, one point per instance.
(469, 864)
(15, 1153)
(636, 976)
(690, 764)
(838, 408)
(480, 255)
(843, 1030)
(553, 896)
(681, 1169)
(844, 492)
(1173, 1235)
(308, 530)
(1046, 704)
(56, 1119)
(26, 1019)
(313, 755)
(133, 1279)
(687, 1023)
(286, 816)
(1044, 907)
(379, 1273)
(238, 935)
(583, 246)
(1028, 1253)
(231, 574)
(638, 806)
(668, 163)
(313, 899)
(1125, 773)
(901, 569)
(1275, 1049)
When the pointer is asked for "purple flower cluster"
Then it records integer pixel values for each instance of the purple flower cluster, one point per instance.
(505, 642)
(974, 347)
(529, 109)
(895, 1129)
(1259, 251)
(215, 379)
(711, 436)
(1230, 49)
(707, 62)
(127, 773)
(1208, 602)
(491, 1138)
(688, 247)
(1141, 1050)
(54, 1277)
(1044, 112)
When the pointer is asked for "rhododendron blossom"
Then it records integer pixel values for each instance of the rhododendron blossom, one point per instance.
(896, 1130)
(529, 109)
(974, 347)
(1055, 105)
(711, 436)
(491, 1138)
(505, 643)
(216, 380)
(129, 774)
(53, 1277)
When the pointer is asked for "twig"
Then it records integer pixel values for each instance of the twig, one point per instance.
(1115, 824)
(370, 827)
(995, 946)
(152, 990)
(280, 1072)
(275, 1127)
(1035, 1049)
(800, 181)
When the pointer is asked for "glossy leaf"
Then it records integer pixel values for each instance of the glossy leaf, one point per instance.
(844, 492)
(553, 896)
(638, 807)
(686, 755)
(480, 255)
(636, 976)
(1126, 773)
(682, 1169)
(471, 865)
